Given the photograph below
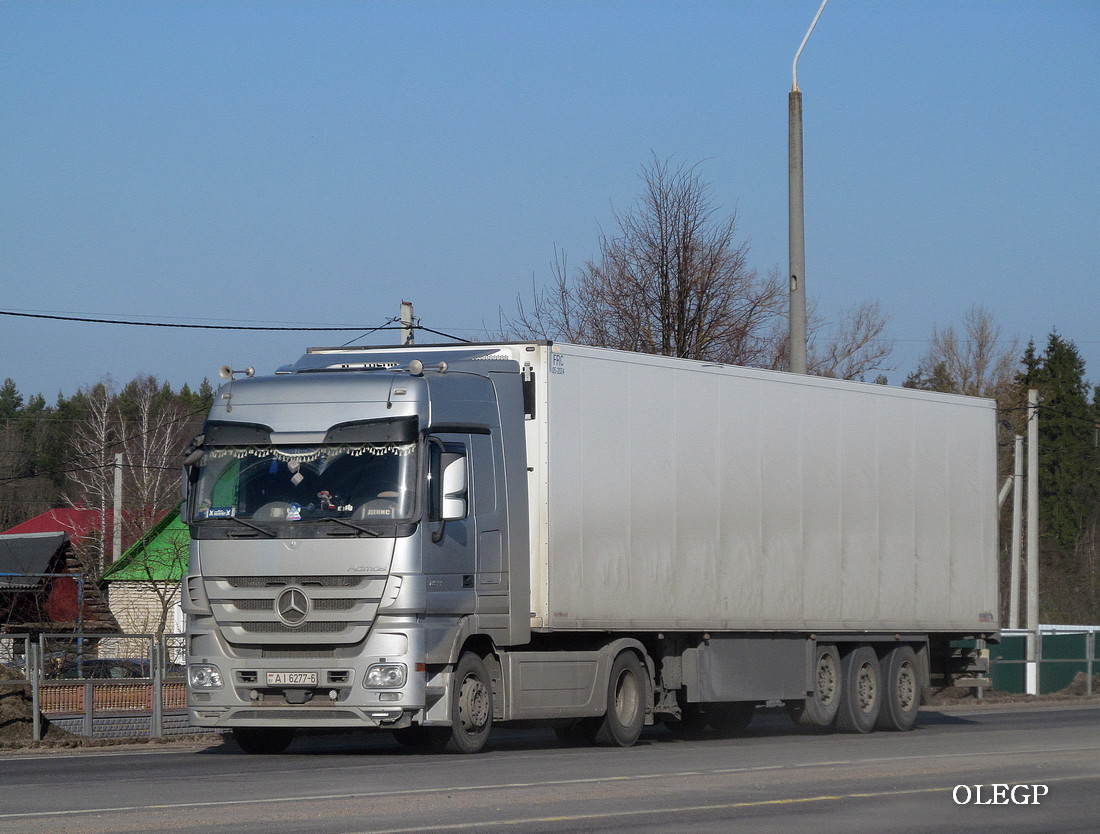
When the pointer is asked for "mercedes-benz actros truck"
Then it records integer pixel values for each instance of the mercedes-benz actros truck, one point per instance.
(433, 540)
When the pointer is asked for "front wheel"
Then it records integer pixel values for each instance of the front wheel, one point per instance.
(471, 705)
(263, 739)
(626, 699)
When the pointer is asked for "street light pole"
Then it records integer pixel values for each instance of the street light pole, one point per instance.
(796, 211)
(1032, 677)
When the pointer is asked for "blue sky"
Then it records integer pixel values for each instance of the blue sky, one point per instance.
(277, 163)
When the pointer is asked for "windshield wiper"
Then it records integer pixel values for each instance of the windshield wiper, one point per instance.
(269, 533)
(369, 531)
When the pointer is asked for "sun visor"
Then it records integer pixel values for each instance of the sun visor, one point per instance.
(398, 430)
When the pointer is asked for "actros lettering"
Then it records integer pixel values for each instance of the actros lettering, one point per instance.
(998, 794)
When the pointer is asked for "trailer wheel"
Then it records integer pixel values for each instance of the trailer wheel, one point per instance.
(728, 719)
(861, 688)
(471, 705)
(626, 694)
(901, 690)
(263, 739)
(819, 710)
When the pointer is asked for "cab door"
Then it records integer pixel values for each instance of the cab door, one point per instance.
(450, 539)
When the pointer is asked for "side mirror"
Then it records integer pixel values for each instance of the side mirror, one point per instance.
(191, 456)
(454, 487)
(194, 451)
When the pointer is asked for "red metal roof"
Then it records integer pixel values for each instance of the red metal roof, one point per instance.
(78, 522)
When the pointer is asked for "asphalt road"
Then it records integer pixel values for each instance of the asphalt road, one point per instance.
(772, 779)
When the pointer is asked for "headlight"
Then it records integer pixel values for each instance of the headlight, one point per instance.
(204, 676)
(386, 675)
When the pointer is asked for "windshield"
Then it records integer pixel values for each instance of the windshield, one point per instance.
(364, 482)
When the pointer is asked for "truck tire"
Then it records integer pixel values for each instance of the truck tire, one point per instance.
(901, 690)
(861, 691)
(267, 740)
(626, 697)
(728, 719)
(819, 710)
(471, 705)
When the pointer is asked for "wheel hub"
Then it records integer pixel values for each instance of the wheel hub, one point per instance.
(826, 679)
(868, 688)
(473, 704)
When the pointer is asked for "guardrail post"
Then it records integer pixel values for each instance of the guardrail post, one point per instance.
(156, 661)
(1090, 653)
(1037, 665)
(33, 653)
(89, 709)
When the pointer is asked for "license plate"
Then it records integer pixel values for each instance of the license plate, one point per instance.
(291, 678)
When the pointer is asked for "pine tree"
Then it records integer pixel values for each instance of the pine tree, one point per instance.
(11, 401)
(1069, 461)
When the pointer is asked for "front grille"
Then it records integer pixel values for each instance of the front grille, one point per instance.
(254, 604)
(318, 604)
(297, 651)
(306, 581)
(304, 628)
(315, 713)
(338, 609)
(333, 604)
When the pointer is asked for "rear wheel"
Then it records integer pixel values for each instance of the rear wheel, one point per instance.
(263, 739)
(819, 710)
(861, 687)
(901, 690)
(626, 697)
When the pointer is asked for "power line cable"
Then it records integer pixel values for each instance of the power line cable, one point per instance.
(439, 333)
(87, 320)
(129, 323)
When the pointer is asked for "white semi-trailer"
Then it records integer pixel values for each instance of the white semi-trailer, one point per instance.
(432, 540)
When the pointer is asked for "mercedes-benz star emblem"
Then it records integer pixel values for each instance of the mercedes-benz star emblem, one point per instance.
(292, 606)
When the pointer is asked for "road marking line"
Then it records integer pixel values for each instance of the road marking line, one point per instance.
(729, 806)
(471, 788)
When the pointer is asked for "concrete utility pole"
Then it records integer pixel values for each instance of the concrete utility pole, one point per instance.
(796, 211)
(116, 544)
(1032, 540)
(407, 337)
(1017, 518)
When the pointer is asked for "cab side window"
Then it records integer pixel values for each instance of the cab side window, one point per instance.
(447, 481)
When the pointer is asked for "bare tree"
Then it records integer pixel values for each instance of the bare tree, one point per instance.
(149, 426)
(91, 485)
(674, 280)
(979, 363)
(156, 431)
(855, 347)
(852, 348)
